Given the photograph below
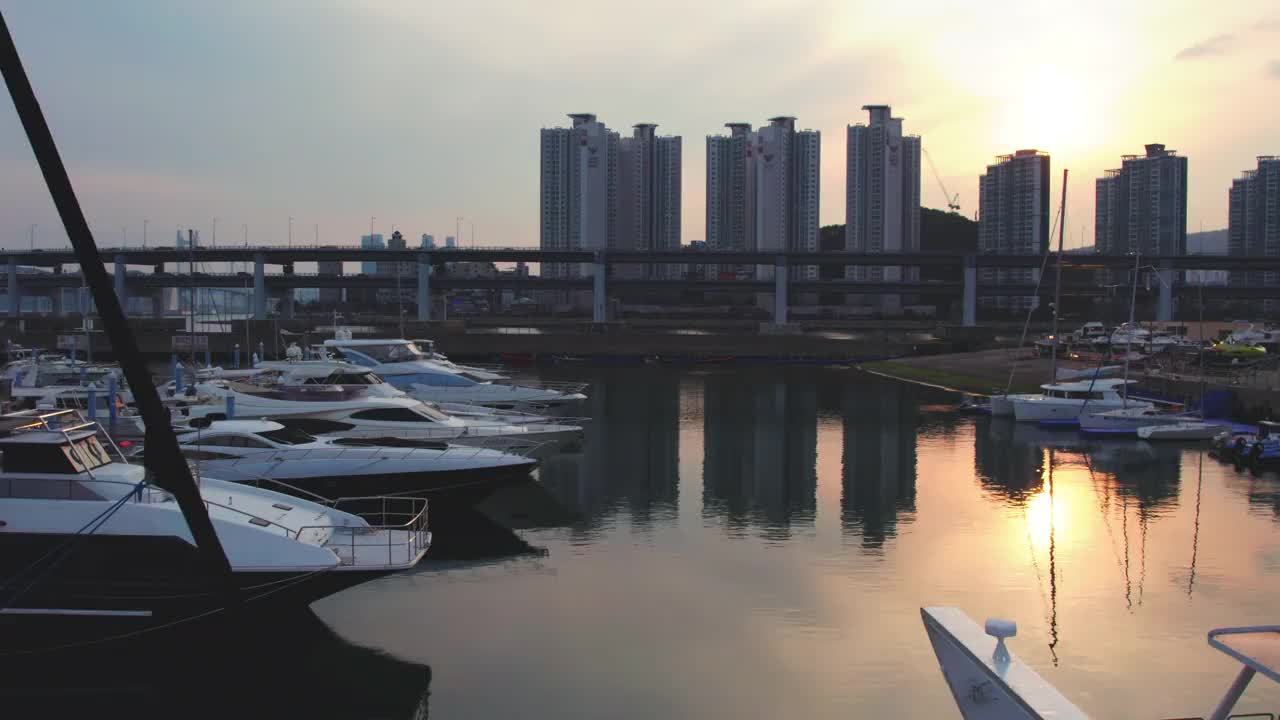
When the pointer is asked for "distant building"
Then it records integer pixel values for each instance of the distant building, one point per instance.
(763, 193)
(1013, 212)
(333, 295)
(648, 198)
(450, 241)
(1142, 206)
(1253, 228)
(394, 271)
(371, 242)
(882, 199)
(428, 242)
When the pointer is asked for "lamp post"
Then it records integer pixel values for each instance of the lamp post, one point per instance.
(144, 233)
(33, 235)
(290, 231)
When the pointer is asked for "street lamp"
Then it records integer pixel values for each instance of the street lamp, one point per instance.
(144, 233)
(33, 235)
(290, 231)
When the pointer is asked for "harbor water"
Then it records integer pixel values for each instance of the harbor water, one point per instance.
(758, 542)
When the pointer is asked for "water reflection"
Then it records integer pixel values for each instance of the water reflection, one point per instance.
(878, 478)
(761, 438)
(629, 457)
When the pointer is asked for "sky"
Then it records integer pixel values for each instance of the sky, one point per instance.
(408, 114)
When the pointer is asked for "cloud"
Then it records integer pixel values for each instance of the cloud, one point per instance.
(1273, 69)
(1269, 25)
(1216, 45)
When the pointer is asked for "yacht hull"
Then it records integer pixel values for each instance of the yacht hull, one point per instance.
(66, 591)
(447, 484)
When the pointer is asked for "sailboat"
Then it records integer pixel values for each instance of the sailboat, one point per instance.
(94, 549)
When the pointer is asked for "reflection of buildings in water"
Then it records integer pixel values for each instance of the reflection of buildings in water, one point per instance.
(761, 445)
(1006, 467)
(1142, 471)
(629, 455)
(879, 459)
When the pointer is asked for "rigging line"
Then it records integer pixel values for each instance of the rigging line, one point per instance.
(1026, 321)
(1195, 535)
(63, 549)
(1104, 509)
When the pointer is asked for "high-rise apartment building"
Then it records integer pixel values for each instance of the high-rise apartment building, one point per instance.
(649, 190)
(1142, 206)
(882, 198)
(370, 242)
(1013, 219)
(428, 241)
(763, 192)
(1253, 224)
(579, 189)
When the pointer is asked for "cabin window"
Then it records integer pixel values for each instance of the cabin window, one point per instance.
(389, 415)
(239, 441)
(77, 457)
(287, 436)
(389, 353)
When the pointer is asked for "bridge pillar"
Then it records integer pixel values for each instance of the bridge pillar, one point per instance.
(780, 290)
(157, 303)
(599, 299)
(15, 292)
(969, 293)
(424, 287)
(259, 287)
(286, 305)
(1164, 303)
(121, 274)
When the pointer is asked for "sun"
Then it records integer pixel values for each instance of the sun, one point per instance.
(1050, 111)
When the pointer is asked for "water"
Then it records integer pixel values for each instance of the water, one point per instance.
(758, 543)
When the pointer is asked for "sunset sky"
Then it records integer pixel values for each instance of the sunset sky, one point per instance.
(418, 111)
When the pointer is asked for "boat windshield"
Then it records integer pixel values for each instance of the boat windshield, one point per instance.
(287, 436)
(388, 353)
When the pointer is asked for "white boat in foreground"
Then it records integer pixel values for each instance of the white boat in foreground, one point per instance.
(989, 683)
(1180, 431)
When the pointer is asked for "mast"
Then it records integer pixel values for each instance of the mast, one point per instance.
(1057, 286)
(1128, 337)
(164, 461)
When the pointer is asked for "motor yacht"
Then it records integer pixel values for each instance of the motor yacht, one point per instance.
(87, 540)
(475, 372)
(267, 451)
(1127, 420)
(345, 400)
(403, 365)
(1067, 401)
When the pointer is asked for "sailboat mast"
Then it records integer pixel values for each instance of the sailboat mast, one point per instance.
(1057, 286)
(163, 459)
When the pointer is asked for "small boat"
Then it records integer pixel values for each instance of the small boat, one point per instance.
(1128, 420)
(974, 405)
(1236, 351)
(989, 683)
(1180, 431)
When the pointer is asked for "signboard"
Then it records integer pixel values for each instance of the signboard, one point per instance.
(68, 342)
(189, 342)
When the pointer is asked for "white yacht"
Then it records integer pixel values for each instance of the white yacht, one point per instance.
(475, 372)
(403, 365)
(1127, 420)
(1251, 335)
(264, 450)
(1067, 401)
(344, 400)
(1088, 332)
(132, 565)
(988, 682)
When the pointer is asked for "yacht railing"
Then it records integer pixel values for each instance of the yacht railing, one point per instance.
(398, 524)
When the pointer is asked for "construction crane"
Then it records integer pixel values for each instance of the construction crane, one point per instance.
(953, 201)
